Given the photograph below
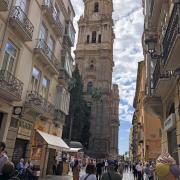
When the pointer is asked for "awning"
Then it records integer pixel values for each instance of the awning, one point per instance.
(75, 149)
(54, 142)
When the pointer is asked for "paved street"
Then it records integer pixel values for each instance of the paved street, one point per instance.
(126, 176)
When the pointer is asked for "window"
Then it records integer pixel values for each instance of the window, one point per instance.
(96, 7)
(99, 38)
(45, 87)
(14, 123)
(56, 12)
(51, 45)
(9, 57)
(105, 26)
(88, 39)
(89, 88)
(35, 80)
(94, 37)
(43, 32)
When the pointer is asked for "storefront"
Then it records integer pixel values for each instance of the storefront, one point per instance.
(22, 142)
(46, 151)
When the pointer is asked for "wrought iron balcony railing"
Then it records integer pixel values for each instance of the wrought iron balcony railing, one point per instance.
(172, 31)
(34, 99)
(4, 5)
(20, 21)
(11, 84)
(53, 17)
(44, 48)
(70, 33)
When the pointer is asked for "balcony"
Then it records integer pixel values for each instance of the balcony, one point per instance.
(4, 5)
(69, 36)
(171, 41)
(46, 56)
(21, 24)
(162, 80)
(35, 104)
(53, 17)
(10, 87)
(153, 105)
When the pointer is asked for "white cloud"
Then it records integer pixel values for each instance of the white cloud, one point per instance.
(128, 18)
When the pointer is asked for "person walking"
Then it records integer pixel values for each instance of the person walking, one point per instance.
(76, 170)
(3, 156)
(111, 174)
(134, 170)
(139, 169)
(99, 170)
(29, 170)
(21, 168)
(90, 173)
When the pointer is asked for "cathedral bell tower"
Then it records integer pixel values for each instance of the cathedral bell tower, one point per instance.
(94, 56)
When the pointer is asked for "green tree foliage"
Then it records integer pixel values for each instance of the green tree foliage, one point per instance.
(79, 112)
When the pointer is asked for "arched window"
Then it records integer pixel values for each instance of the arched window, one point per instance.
(96, 7)
(91, 67)
(88, 39)
(89, 88)
(94, 37)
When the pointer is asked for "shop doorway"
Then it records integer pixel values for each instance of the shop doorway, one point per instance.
(51, 161)
(19, 150)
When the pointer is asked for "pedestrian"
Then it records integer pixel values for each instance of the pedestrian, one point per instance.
(3, 156)
(130, 166)
(106, 165)
(134, 170)
(8, 171)
(21, 168)
(90, 173)
(54, 168)
(29, 170)
(146, 171)
(126, 166)
(111, 174)
(99, 170)
(76, 170)
(151, 169)
(139, 169)
(120, 168)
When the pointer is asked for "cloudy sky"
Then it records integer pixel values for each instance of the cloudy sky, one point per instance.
(128, 19)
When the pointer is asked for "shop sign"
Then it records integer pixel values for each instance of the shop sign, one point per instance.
(170, 122)
(25, 128)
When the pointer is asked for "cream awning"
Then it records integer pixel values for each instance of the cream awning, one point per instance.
(54, 142)
(75, 149)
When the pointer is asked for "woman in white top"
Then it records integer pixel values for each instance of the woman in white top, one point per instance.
(90, 173)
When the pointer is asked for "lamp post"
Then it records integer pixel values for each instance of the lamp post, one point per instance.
(151, 43)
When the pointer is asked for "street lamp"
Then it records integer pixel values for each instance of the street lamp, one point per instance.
(151, 43)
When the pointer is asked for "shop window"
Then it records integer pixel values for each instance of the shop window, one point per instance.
(99, 38)
(96, 7)
(88, 37)
(89, 88)
(94, 37)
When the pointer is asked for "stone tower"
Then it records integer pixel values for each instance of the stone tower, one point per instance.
(94, 55)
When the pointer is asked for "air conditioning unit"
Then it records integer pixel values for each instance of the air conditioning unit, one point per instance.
(170, 122)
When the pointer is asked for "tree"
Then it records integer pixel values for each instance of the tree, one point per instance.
(77, 123)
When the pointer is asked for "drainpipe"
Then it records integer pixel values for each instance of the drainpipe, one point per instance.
(6, 26)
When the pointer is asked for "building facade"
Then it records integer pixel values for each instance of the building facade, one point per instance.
(35, 61)
(146, 128)
(94, 55)
(161, 51)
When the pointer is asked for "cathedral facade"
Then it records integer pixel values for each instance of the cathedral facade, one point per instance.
(94, 56)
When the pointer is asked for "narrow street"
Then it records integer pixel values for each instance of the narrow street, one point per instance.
(126, 176)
